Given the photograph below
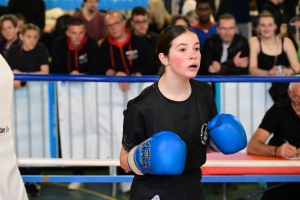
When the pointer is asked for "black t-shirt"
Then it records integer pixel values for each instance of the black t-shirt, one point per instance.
(282, 120)
(27, 61)
(65, 60)
(151, 112)
(267, 62)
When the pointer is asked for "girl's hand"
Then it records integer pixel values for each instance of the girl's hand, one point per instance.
(287, 71)
(273, 71)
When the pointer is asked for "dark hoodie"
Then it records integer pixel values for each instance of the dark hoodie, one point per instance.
(66, 58)
(131, 56)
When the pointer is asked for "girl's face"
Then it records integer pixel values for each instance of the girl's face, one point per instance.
(267, 27)
(29, 39)
(8, 31)
(184, 56)
(193, 21)
(20, 24)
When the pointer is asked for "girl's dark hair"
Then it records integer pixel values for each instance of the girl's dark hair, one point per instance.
(177, 17)
(61, 25)
(165, 38)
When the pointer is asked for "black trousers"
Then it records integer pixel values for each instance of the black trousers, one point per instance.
(186, 186)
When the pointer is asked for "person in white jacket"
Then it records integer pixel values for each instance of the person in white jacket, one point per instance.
(11, 183)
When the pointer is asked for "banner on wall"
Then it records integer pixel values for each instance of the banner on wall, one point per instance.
(91, 118)
(31, 120)
(103, 4)
(91, 115)
(248, 101)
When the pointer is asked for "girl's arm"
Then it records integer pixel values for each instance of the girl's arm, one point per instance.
(123, 160)
(44, 70)
(208, 150)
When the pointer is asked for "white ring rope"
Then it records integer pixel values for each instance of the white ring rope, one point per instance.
(59, 162)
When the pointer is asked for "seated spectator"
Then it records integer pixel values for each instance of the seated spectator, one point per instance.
(29, 56)
(59, 29)
(159, 16)
(283, 121)
(140, 23)
(192, 17)
(225, 53)
(205, 27)
(180, 20)
(9, 31)
(93, 19)
(268, 50)
(279, 12)
(271, 55)
(21, 20)
(123, 53)
(294, 30)
(74, 52)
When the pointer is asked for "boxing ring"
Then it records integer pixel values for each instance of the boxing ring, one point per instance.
(220, 168)
(239, 167)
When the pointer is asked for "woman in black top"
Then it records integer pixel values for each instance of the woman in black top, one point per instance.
(29, 56)
(175, 103)
(268, 50)
(271, 55)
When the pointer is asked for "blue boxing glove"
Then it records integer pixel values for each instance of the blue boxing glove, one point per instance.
(227, 134)
(163, 153)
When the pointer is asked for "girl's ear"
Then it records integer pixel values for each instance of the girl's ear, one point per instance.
(163, 59)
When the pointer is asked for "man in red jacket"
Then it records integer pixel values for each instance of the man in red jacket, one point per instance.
(75, 52)
(123, 53)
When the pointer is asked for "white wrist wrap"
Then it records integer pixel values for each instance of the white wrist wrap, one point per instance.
(131, 162)
(213, 146)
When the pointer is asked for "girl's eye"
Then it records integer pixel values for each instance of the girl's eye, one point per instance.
(197, 49)
(182, 50)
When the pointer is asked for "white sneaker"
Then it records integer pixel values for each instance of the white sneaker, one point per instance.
(125, 187)
(74, 186)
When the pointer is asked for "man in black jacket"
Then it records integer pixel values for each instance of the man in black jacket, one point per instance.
(225, 53)
(75, 52)
(139, 21)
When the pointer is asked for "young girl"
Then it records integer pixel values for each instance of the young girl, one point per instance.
(267, 51)
(175, 103)
(29, 56)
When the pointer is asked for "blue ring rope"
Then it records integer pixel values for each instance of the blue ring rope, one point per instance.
(129, 178)
(98, 78)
